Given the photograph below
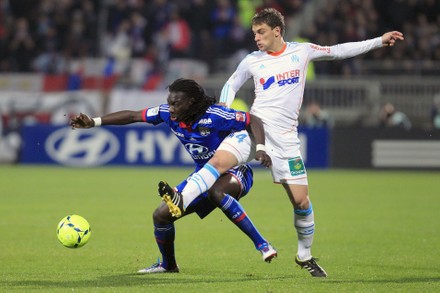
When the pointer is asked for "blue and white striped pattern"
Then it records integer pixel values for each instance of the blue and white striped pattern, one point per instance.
(228, 203)
(309, 230)
(304, 212)
(198, 180)
(221, 113)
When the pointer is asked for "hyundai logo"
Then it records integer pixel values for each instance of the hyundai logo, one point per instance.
(196, 149)
(91, 147)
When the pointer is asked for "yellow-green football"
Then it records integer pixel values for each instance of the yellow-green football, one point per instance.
(73, 231)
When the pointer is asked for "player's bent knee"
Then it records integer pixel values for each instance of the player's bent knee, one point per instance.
(161, 216)
(216, 196)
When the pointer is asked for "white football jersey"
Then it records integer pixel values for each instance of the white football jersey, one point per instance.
(279, 78)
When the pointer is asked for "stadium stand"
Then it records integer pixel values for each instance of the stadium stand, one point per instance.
(100, 45)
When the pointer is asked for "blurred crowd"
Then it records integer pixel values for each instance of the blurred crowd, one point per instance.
(45, 35)
(355, 20)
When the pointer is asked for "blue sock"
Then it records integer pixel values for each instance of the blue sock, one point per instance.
(235, 212)
(165, 235)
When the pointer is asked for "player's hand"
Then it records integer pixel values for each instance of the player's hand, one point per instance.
(263, 158)
(390, 38)
(82, 121)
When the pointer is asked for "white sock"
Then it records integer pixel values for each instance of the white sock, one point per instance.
(200, 182)
(304, 221)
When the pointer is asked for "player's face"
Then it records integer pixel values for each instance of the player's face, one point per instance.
(179, 104)
(265, 36)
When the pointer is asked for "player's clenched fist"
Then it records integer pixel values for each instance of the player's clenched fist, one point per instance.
(82, 121)
(263, 158)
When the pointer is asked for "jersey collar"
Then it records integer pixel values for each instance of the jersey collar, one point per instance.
(279, 52)
(185, 126)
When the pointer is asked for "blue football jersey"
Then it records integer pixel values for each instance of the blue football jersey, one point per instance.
(202, 138)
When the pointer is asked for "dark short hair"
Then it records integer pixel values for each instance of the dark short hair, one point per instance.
(271, 17)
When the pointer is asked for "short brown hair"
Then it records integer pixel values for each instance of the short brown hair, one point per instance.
(271, 17)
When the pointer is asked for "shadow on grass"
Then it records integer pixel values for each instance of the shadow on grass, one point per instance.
(133, 280)
(407, 280)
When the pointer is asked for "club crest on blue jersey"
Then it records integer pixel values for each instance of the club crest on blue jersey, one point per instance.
(204, 131)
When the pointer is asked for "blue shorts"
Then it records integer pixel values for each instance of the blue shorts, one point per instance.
(203, 206)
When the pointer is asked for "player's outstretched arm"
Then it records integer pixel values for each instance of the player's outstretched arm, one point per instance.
(117, 118)
(390, 38)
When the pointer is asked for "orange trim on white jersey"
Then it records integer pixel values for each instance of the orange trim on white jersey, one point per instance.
(279, 52)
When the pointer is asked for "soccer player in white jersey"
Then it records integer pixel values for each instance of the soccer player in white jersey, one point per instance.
(279, 70)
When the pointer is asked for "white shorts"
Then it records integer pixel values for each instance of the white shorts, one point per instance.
(240, 145)
(287, 163)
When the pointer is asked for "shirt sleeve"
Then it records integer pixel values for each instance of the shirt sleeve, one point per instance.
(155, 115)
(234, 83)
(227, 119)
(342, 51)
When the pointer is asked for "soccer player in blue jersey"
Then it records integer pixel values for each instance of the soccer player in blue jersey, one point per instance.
(201, 126)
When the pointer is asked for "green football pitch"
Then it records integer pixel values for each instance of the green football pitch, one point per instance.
(376, 231)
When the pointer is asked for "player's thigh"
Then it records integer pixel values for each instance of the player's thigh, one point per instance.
(240, 145)
(287, 163)
(298, 195)
(223, 161)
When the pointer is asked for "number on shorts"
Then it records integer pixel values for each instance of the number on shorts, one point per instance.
(241, 137)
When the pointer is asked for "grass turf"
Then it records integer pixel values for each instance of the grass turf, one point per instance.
(376, 231)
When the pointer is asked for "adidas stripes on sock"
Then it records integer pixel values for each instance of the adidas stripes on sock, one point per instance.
(305, 227)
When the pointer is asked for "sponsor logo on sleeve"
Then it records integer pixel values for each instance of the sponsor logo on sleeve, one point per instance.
(240, 116)
(152, 111)
(320, 48)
